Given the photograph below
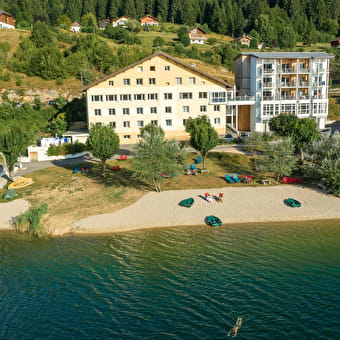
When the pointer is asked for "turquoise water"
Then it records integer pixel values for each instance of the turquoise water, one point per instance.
(180, 283)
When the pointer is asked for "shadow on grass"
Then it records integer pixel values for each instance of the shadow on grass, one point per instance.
(233, 163)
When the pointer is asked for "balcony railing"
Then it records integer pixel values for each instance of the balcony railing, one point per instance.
(241, 98)
(268, 70)
(303, 83)
(303, 96)
(288, 70)
(303, 70)
(288, 84)
(268, 85)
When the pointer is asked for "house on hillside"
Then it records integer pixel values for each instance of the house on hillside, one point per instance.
(121, 21)
(159, 90)
(75, 27)
(148, 20)
(244, 40)
(335, 42)
(197, 35)
(6, 20)
(102, 24)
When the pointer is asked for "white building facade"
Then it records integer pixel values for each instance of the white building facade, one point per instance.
(269, 84)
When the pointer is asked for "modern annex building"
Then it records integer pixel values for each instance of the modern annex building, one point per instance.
(268, 84)
(164, 91)
(158, 90)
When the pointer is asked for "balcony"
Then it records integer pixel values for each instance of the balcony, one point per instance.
(288, 97)
(303, 96)
(268, 71)
(268, 85)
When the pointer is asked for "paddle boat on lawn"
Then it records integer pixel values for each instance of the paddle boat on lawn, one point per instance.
(293, 203)
(187, 203)
(21, 183)
(213, 221)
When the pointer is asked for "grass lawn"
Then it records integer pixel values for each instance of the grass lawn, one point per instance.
(71, 197)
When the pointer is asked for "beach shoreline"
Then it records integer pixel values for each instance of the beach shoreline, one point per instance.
(241, 205)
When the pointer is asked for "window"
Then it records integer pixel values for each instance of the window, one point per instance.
(127, 136)
(203, 95)
(152, 81)
(268, 109)
(185, 95)
(125, 97)
(139, 110)
(185, 109)
(218, 97)
(139, 96)
(112, 112)
(192, 80)
(126, 111)
(152, 68)
(139, 81)
(97, 98)
(111, 97)
(154, 122)
(216, 108)
(288, 108)
(178, 81)
(203, 108)
(97, 112)
(267, 95)
(153, 109)
(217, 121)
(168, 109)
(267, 82)
(139, 68)
(113, 125)
(126, 81)
(126, 124)
(267, 68)
(166, 68)
(153, 96)
(303, 108)
(140, 123)
(168, 122)
(168, 96)
(111, 83)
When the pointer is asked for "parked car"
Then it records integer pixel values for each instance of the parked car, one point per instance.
(229, 137)
(244, 135)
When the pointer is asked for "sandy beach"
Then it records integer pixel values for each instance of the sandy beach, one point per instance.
(240, 205)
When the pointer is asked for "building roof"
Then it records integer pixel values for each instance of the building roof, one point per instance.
(164, 55)
(122, 17)
(196, 28)
(75, 24)
(149, 16)
(3, 12)
(286, 55)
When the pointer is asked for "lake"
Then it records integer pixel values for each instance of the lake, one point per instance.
(174, 283)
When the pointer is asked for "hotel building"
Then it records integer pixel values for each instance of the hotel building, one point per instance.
(158, 90)
(164, 91)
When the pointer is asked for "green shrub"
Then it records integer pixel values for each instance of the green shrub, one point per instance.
(30, 221)
(54, 150)
(66, 149)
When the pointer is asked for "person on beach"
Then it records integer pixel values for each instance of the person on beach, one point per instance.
(220, 197)
(209, 198)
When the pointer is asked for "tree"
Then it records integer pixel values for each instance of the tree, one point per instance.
(305, 132)
(253, 144)
(287, 37)
(13, 142)
(154, 155)
(283, 124)
(103, 142)
(279, 158)
(183, 36)
(203, 136)
(322, 161)
(41, 35)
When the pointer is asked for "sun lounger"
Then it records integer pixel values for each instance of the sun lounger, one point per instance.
(229, 179)
(198, 160)
(193, 167)
(236, 179)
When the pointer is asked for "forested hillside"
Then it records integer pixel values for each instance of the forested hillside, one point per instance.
(309, 20)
